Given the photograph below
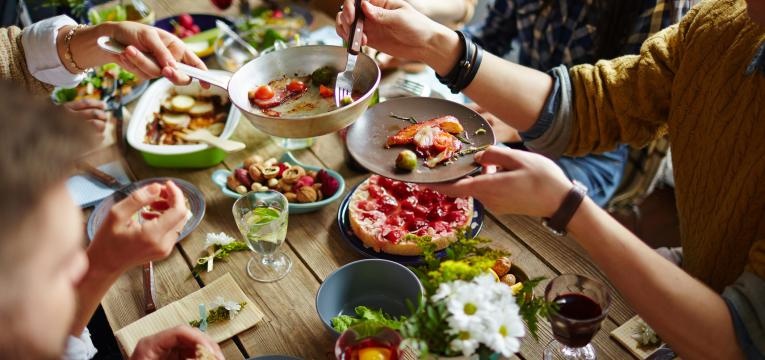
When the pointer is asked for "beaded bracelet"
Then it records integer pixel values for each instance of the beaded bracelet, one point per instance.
(68, 44)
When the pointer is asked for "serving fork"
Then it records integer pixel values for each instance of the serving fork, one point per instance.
(344, 82)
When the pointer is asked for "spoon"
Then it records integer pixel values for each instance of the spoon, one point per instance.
(205, 136)
(230, 32)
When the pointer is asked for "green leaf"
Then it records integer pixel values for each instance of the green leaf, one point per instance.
(366, 317)
(65, 95)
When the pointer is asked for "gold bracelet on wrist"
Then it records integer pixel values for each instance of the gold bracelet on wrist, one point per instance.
(68, 44)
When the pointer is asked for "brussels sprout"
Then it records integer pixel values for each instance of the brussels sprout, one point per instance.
(406, 160)
(323, 76)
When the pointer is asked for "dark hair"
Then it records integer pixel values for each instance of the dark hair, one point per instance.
(40, 145)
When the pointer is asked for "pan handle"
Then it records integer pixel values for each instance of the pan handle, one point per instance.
(112, 46)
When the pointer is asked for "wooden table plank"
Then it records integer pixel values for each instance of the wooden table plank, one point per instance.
(565, 255)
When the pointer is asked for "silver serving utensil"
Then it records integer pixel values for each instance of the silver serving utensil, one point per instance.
(230, 32)
(344, 82)
(141, 7)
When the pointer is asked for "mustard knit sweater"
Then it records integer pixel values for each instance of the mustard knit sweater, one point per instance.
(13, 65)
(689, 81)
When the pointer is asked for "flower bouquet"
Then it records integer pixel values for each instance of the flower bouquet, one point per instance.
(472, 307)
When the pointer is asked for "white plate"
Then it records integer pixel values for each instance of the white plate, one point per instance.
(150, 104)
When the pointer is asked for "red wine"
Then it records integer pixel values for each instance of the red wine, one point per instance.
(576, 319)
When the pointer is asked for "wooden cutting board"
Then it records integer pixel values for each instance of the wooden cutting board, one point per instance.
(187, 309)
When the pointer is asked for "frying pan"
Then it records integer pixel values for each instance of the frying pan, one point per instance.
(295, 61)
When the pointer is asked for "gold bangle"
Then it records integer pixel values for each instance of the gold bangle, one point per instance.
(68, 43)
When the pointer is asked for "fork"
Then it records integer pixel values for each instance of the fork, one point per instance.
(344, 82)
(413, 87)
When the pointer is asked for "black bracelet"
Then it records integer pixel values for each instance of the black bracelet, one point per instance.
(452, 76)
(468, 78)
(465, 70)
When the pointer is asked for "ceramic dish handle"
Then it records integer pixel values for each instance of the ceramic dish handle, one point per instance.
(112, 46)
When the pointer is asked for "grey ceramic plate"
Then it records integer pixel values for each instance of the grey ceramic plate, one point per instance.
(367, 136)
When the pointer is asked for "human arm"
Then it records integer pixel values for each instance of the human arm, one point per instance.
(451, 13)
(512, 92)
(122, 242)
(698, 322)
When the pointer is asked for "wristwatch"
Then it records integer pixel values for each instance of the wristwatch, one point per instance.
(557, 223)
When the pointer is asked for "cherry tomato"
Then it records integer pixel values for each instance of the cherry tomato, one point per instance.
(278, 14)
(186, 20)
(326, 92)
(264, 93)
(296, 86)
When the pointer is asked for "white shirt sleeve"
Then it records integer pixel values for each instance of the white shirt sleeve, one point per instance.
(39, 42)
(80, 348)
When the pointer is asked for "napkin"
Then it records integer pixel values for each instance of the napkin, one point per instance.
(87, 191)
(623, 334)
(187, 309)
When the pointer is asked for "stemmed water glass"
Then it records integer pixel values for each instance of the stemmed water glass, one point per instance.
(580, 305)
(262, 220)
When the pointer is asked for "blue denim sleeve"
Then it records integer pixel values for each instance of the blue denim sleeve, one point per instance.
(747, 309)
(551, 133)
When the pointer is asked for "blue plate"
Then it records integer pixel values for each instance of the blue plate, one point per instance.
(204, 21)
(192, 194)
(219, 178)
(344, 224)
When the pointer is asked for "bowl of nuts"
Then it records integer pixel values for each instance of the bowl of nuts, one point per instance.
(307, 188)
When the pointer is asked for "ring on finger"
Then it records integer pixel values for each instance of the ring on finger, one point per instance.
(341, 7)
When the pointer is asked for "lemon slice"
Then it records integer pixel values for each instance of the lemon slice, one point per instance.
(182, 103)
(198, 47)
(201, 108)
(176, 120)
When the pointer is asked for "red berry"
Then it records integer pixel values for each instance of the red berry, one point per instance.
(195, 29)
(186, 21)
(409, 203)
(388, 204)
(385, 182)
(278, 14)
(149, 215)
(403, 190)
(160, 205)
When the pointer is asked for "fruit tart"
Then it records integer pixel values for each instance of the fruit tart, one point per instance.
(389, 216)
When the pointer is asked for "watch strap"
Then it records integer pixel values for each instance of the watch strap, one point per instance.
(559, 220)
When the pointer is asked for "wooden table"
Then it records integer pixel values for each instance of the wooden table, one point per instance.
(291, 325)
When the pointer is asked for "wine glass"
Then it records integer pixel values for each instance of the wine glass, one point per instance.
(367, 341)
(262, 220)
(580, 305)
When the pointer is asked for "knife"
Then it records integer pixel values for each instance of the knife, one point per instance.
(149, 289)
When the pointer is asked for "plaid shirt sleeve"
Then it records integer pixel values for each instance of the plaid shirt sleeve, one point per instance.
(496, 33)
(660, 16)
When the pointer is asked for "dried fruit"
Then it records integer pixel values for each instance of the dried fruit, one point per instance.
(252, 160)
(241, 189)
(406, 160)
(330, 185)
(293, 174)
(271, 172)
(305, 180)
(256, 172)
(282, 168)
(243, 177)
(502, 266)
(232, 182)
(291, 196)
(283, 186)
(508, 279)
(306, 194)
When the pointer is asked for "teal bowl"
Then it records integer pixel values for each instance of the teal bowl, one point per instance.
(219, 178)
(375, 283)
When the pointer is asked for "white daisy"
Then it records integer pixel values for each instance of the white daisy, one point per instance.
(465, 343)
(219, 239)
(504, 332)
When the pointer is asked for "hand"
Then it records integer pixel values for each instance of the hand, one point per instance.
(150, 52)
(502, 132)
(91, 111)
(514, 182)
(176, 343)
(122, 242)
(392, 26)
